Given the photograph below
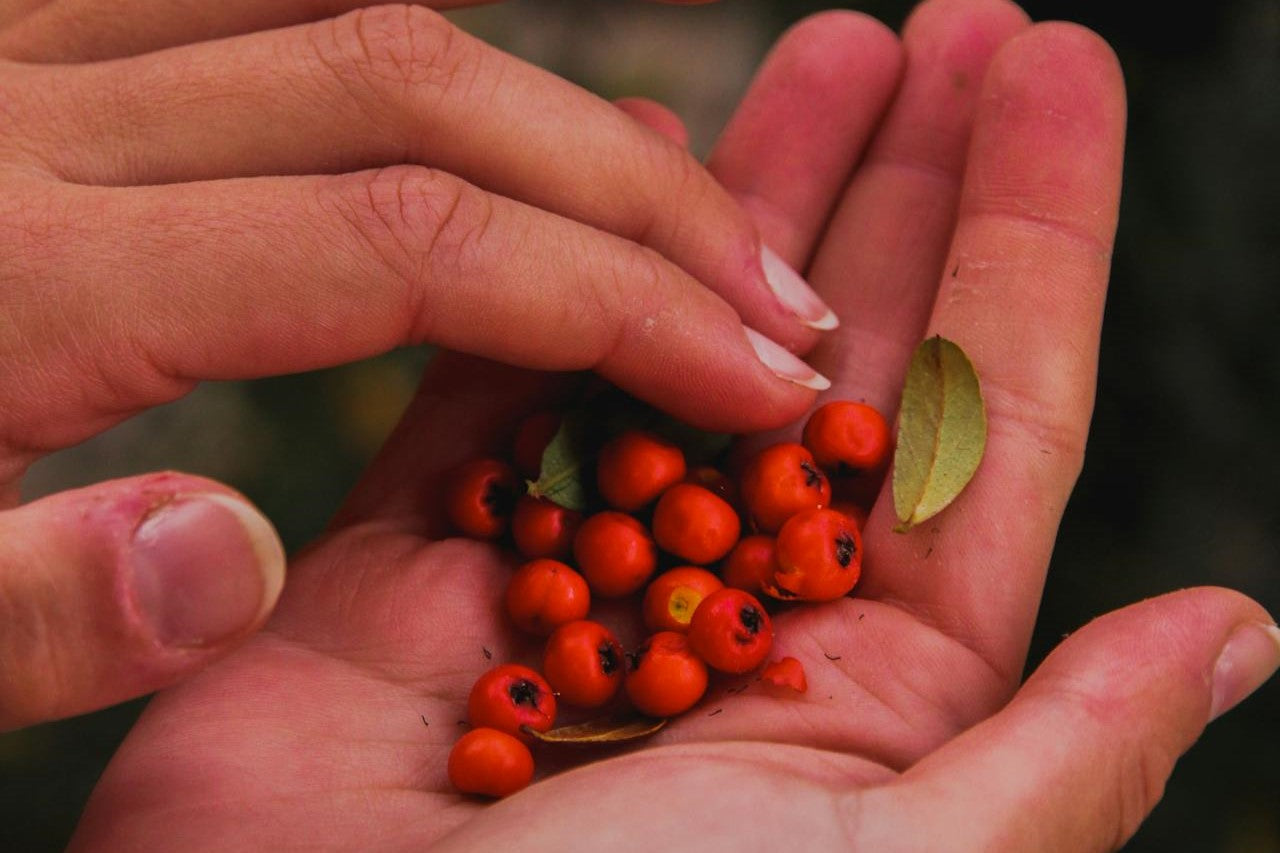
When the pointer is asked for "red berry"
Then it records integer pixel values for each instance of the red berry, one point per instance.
(779, 482)
(635, 467)
(544, 594)
(543, 528)
(695, 525)
(615, 554)
(819, 556)
(844, 433)
(490, 762)
(672, 597)
(480, 497)
(584, 663)
(510, 696)
(751, 564)
(666, 677)
(731, 631)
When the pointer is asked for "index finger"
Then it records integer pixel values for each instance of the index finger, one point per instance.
(1022, 292)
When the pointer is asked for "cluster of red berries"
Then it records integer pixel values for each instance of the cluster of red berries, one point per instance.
(801, 546)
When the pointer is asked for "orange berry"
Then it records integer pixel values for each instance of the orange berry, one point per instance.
(751, 564)
(543, 528)
(666, 677)
(779, 482)
(490, 762)
(544, 594)
(731, 631)
(510, 696)
(635, 467)
(844, 433)
(672, 597)
(695, 525)
(614, 553)
(819, 557)
(584, 663)
(480, 497)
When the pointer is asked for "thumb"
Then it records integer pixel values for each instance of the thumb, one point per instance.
(119, 589)
(1081, 755)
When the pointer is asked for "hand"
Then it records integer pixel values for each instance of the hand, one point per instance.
(982, 208)
(175, 208)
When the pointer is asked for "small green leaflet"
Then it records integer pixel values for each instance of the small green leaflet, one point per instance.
(562, 479)
(942, 432)
(568, 470)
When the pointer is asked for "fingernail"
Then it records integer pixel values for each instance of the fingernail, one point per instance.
(1250, 657)
(204, 568)
(795, 293)
(784, 364)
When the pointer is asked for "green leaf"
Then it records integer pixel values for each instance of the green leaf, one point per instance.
(603, 730)
(563, 479)
(942, 432)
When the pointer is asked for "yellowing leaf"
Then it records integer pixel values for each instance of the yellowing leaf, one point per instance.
(603, 730)
(942, 432)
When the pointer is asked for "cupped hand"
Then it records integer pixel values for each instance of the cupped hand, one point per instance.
(981, 205)
(253, 189)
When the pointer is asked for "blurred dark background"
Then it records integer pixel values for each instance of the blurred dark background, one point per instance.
(1180, 485)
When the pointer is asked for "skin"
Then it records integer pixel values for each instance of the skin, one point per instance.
(982, 207)
(321, 191)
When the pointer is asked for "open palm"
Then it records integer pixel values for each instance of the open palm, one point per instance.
(977, 200)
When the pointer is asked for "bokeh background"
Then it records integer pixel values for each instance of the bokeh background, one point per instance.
(1180, 485)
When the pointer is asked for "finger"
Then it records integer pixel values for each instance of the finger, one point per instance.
(1022, 292)
(803, 124)
(889, 237)
(656, 117)
(401, 84)
(276, 275)
(88, 30)
(119, 589)
(1081, 755)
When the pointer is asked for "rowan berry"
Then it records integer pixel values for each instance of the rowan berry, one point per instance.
(635, 467)
(731, 631)
(510, 696)
(849, 434)
(672, 597)
(480, 497)
(751, 564)
(532, 437)
(490, 762)
(695, 525)
(544, 594)
(819, 557)
(715, 481)
(615, 553)
(543, 528)
(666, 677)
(583, 661)
(786, 673)
(780, 481)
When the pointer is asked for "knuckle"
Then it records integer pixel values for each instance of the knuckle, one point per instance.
(419, 224)
(393, 49)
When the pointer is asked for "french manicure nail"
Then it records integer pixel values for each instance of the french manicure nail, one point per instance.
(784, 364)
(1250, 657)
(795, 293)
(204, 568)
